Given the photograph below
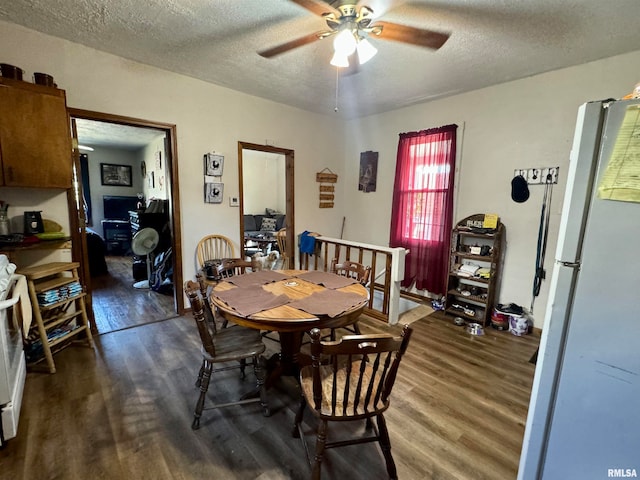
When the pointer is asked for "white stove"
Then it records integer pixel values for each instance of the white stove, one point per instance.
(12, 360)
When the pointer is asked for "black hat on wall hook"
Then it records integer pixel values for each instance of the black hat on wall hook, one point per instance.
(519, 189)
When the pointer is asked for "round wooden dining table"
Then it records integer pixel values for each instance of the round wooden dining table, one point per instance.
(292, 319)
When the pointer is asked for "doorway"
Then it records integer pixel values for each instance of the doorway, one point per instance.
(266, 159)
(143, 154)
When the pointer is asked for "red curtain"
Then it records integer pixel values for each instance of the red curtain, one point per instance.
(422, 212)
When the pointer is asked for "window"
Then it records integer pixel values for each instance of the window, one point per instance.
(423, 205)
(426, 194)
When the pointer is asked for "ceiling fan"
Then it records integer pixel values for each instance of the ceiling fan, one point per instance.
(351, 23)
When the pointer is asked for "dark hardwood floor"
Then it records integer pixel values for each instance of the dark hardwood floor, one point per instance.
(124, 411)
(117, 305)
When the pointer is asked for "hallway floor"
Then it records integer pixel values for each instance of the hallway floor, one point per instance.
(118, 305)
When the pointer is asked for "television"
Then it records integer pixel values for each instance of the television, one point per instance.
(118, 207)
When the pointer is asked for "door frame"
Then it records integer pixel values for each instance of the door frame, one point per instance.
(288, 155)
(78, 226)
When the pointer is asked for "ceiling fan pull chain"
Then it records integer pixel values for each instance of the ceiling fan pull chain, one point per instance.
(337, 81)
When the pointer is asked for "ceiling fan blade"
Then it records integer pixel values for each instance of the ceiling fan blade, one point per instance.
(317, 7)
(285, 47)
(412, 35)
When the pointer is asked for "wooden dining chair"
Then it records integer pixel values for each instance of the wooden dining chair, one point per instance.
(350, 269)
(223, 270)
(230, 267)
(233, 346)
(210, 248)
(358, 272)
(281, 240)
(238, 266)
(354, 385)
(210, 316)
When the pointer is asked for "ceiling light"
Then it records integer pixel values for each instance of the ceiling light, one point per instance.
(84, 147)
(339, 60)
(345, 43)
(366, 51)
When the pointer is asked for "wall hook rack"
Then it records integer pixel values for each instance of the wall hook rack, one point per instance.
(539, 175)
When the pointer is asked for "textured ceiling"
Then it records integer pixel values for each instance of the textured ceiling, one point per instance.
(492, 41)
(102, 134)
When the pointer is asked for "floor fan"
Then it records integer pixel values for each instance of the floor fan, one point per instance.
(144, 243)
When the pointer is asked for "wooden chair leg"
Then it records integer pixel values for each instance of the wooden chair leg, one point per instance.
(260, 370)
(204, 386)
(385, 445)
(356, 328)
(243, 364)
(320, 444)
(199, 379)
(299, 414)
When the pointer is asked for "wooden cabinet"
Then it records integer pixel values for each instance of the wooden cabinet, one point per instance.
(59, 311)
(35, 140)
(474, 268)
(117, 236)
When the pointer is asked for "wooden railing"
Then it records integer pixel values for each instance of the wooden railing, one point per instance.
(387, 271)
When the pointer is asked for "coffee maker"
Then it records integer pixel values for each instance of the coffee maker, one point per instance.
(33, 223)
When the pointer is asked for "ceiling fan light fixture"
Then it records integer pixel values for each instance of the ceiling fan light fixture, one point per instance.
(339, 60)
(366, 51)
(345, 43)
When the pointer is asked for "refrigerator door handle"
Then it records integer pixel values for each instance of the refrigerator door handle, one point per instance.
(569, 264)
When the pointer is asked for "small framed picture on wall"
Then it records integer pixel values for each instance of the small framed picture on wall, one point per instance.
(213, 164)
(367, 179)
(115, 175)
(213, 192)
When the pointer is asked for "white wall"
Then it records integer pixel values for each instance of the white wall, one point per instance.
(520, 124)
(154, 186)
(114, 156)
(207, 118)
(263, 175)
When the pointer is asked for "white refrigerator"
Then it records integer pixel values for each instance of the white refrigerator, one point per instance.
(584, 414)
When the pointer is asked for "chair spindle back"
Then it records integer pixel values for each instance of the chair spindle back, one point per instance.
(361, 373)
(235, 266)
(214, 247)
(281, 239)
(350, 269)
(192, 289)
